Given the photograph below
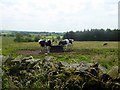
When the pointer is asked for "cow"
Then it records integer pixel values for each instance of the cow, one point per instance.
(71, 41)
(66, 42)
(42, 43)
(105, 44)
(62, 43)
(45, 43)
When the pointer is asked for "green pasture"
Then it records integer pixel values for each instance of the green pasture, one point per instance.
(90, 51)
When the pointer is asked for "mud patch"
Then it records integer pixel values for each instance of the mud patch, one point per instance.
(86, 51)
(28, 52)
(37, 52)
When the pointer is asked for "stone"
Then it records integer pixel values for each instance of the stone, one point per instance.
(113, 73)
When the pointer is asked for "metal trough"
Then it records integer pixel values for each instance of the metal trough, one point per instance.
(56, 48)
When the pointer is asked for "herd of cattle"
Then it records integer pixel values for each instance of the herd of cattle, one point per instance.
(48, 43)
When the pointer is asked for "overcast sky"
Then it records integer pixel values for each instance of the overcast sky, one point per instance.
(58, 15)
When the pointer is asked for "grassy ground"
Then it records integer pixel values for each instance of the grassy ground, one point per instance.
(91, 51)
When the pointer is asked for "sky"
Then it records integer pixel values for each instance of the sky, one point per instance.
(58, 15)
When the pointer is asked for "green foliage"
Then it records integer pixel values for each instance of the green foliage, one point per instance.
(19, 37)
(58, 37)
(34, 37)
(37, 38)
(94, 35)
(70, 35)
(5, 82)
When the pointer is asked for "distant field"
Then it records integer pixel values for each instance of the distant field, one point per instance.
(90, 51)
(9, 47)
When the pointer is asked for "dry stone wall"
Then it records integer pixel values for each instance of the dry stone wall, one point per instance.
(29, 73)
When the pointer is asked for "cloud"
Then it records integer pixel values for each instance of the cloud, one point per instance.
(58, 14)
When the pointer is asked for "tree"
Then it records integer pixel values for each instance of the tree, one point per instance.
(18, 37)
(94, 35)
(37, 38)
(58, 38)
(70, 35)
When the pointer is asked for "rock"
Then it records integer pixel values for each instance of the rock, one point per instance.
(102, 69)
(49, 58)
(85, 64)
(63, 64)
(59, 75)
(1, 60)
(74, 65)
(95, 64)
(0, 83)
(94, 72)
(105, 77)
(113, 73)
(18, 58)
(28, 59)
(6, 60)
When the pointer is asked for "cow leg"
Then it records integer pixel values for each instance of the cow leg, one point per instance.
(48, 49)
(65, 47)
(41, 49)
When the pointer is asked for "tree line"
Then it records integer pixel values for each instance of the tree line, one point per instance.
(23, 37)
(94, 35)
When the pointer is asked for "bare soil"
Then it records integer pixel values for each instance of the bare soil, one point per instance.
(37, 52)
(28, 52)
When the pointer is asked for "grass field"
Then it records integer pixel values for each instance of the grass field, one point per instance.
(91, 51)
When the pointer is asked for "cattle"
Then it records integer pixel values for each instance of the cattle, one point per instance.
(105, 44)
(48, 45)
(66, 42)
(42, 43)
(62, 43)
(45, 43)
(71, 41)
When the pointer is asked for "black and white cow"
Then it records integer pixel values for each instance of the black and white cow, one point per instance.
(66, 42)
(62, 43)
(71, 41)
(42, 43)
(45, 43)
